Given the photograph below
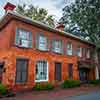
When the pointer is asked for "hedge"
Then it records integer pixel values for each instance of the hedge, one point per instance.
(70, 83)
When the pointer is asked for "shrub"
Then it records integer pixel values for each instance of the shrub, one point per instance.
(95, 82)
(3, 89)
(40, 87)
(70, 83)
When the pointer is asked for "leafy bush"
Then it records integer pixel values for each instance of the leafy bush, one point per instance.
(3, 89)
(40, 87)
(95, 82)
(70, 83)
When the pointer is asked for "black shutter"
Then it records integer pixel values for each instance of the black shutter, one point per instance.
(30, 39)
(17, 39)
(37, 41)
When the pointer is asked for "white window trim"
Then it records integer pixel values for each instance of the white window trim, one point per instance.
(47, 75)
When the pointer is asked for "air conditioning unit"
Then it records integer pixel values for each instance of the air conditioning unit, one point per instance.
(24, 43)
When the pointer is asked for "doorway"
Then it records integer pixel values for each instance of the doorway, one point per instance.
(84, 75)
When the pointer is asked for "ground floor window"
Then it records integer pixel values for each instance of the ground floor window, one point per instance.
(41, 71)
(21, 70)
(70, 71)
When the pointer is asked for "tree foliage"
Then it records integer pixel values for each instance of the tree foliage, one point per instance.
(82, 18)
(36, 13)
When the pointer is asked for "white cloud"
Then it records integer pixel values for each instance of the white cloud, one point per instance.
(50, 6)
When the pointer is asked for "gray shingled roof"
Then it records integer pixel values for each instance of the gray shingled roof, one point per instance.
(9, 15)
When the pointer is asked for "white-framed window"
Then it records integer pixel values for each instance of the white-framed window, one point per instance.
(57, 46)
(42, 42)
(69, 49)
(41, 71)
(79, 52)
(23, 38)
(88, 53)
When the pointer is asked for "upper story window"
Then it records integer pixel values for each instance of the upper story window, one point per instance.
(69, 49)
(23, 38)
(79, 52)
(88, 53)
(42, 42)
(57, 46)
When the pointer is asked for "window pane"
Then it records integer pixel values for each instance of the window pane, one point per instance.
(24, 34)
(24, 76)
(18, 76)
(25, 43)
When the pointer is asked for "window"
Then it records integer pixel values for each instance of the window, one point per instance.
(70, 71)
(23, 38)
(42, 43)
(79, 51)
(88, 53)
(41, 71)
(21, 70)
(69, 49)
(57, 46)
(58, 71)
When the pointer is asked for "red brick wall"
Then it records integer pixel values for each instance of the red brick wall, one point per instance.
(11, 52)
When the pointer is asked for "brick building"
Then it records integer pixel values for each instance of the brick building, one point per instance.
(31, 52)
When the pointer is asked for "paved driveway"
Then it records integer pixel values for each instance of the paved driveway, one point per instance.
(90, 96)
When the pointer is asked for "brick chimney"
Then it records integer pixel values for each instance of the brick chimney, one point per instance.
(9, 7)
(60, 27)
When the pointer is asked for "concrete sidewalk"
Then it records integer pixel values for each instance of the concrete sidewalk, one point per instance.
(57, 94)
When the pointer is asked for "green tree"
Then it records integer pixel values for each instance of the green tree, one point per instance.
(35, 13)
(82, 18)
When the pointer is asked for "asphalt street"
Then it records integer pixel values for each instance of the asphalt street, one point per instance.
(90, 96)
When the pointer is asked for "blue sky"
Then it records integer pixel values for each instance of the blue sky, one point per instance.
(54, 7)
